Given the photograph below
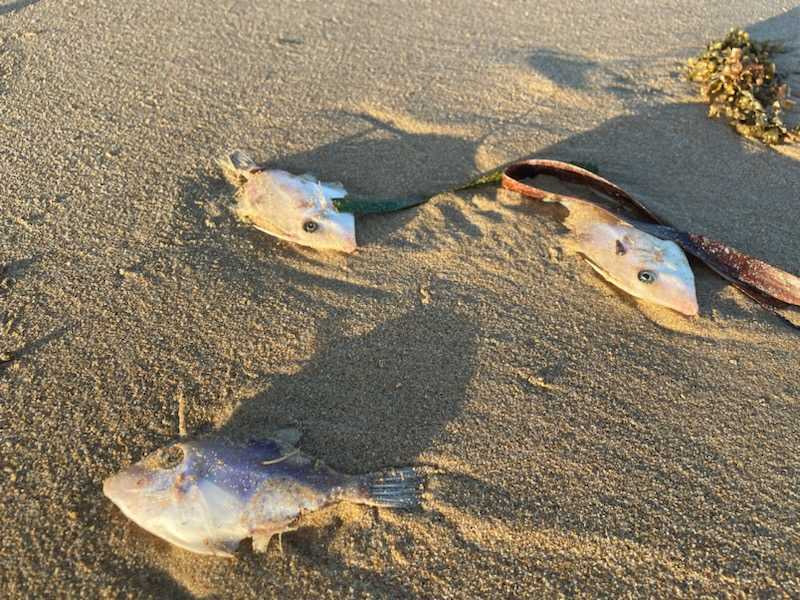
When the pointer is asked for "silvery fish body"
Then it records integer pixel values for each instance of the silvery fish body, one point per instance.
(296, 208)
(209, 494)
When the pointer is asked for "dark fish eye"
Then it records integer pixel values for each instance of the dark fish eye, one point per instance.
(647, 276)
(310, 226)
(169, 458)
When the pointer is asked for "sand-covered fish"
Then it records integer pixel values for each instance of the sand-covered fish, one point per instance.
(640, 264)
(296, 208)
(209, 494)
(643, 265)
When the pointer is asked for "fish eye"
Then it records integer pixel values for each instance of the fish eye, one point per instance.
(310, 226)
(647, 276)
(168, 458)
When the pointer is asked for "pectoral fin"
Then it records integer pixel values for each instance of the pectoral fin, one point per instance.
(262, 536)
(288, 435)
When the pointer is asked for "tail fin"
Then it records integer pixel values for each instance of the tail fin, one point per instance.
(394, 488)
(235, 167)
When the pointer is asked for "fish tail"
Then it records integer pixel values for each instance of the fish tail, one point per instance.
(393, 488)
(235, 165)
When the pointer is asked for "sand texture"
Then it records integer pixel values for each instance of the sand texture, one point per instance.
(582, 443)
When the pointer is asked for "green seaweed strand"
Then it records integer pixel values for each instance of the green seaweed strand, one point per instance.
(371, 206)
(493, 176)
(367, 206)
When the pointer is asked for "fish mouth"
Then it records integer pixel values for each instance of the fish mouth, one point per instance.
(606, 275)
(344, 232)
(350, 246)
(118, 489)
(342, 240)
(689, 308)
(685, 304)
(120, 485)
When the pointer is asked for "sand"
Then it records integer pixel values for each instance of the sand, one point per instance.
(580, 442)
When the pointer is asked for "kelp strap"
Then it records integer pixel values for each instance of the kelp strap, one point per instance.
(513, 174)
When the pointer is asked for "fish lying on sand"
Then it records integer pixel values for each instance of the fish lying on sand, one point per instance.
(296, 208)
(642, 265)
(209, 494)
(647, 267)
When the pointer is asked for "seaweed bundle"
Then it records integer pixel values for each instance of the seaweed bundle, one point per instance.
(740, 82)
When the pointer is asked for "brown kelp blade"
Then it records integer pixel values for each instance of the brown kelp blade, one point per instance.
(571, 173)
(771, 287)
(764, 277)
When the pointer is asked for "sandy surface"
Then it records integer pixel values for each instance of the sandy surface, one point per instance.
(586, 444)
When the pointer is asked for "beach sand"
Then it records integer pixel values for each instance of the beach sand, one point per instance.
(579, 441)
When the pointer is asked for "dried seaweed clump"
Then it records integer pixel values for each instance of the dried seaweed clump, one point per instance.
(739, 81)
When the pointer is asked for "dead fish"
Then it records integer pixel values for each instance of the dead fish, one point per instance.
(639, 263)
(209, 494)
(296, 208)
(642, 265)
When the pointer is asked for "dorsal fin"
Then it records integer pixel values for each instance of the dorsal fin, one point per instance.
(237, 166)
(242, 161)
(288, 435)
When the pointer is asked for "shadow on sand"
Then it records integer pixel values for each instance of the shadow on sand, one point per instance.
(13, 7)
(372, 400)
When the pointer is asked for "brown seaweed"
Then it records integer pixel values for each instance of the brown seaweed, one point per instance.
(741, 83)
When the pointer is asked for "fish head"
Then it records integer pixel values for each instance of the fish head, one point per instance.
(144, 491)
(298, 209)
(169, 494)
(642, 265)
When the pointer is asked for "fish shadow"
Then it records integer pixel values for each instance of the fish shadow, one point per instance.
(372, 400)
(364, 403)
